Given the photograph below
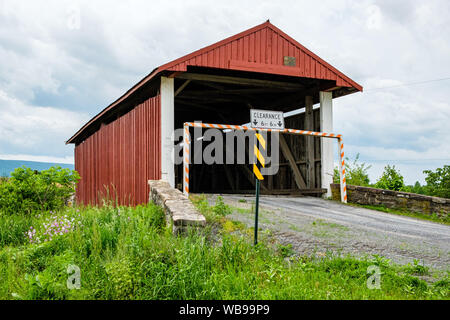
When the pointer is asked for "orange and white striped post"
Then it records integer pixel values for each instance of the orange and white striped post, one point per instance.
(343, 183)
(186, 158)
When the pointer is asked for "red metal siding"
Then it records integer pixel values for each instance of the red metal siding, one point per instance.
(121, 156)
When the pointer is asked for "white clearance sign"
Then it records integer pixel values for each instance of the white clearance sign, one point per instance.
(266, 119)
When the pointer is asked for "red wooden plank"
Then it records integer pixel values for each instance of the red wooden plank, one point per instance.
(234, 50)
(285, 50)
(246, 48)
(228, 55)
(274, 48)
(258, 47)
(251, 54)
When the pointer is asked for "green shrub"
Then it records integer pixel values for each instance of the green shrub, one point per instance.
(416, 268)
(391, 179)
(212, 214)
(286, 250)
(121, 279)
(221, 209)
(355, 172)
(29, 191)
(438, 182)
(416, 188)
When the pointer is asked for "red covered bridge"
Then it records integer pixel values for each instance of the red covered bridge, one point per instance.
(129, 142)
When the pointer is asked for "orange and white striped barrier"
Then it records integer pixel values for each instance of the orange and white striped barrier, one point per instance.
(187, 141)
(342, 170)
(235, 127)
(186, 158)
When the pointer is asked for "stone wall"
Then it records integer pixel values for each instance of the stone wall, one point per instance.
(394, 199)
(180, 212)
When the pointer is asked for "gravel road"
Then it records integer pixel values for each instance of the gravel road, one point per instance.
(315, 226)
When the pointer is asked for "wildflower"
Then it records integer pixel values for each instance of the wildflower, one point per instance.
(51, 228)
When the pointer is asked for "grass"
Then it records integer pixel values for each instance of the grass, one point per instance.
(320, 222)
(434, 217)
(243, 210)
(128, 253)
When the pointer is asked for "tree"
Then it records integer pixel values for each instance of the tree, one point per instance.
(391, 179)
(355, 172)
(438, 182)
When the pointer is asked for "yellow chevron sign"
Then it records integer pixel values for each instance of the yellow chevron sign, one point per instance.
(261, 162)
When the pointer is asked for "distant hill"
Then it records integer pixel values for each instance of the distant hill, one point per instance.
(8, 166)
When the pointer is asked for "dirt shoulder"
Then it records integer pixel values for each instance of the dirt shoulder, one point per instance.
(315, 226)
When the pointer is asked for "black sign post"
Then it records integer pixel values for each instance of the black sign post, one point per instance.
(256, 211)
(269, 120)
(260, 163)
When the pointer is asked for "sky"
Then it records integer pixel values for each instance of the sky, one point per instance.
(63, 61)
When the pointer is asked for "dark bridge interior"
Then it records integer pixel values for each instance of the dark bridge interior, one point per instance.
(226, 97)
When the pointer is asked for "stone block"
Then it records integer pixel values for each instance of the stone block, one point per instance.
(179, 210)
(394, 199)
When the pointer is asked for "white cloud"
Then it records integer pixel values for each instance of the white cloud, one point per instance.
(374, 17)
(403, 126)
(41, 130)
